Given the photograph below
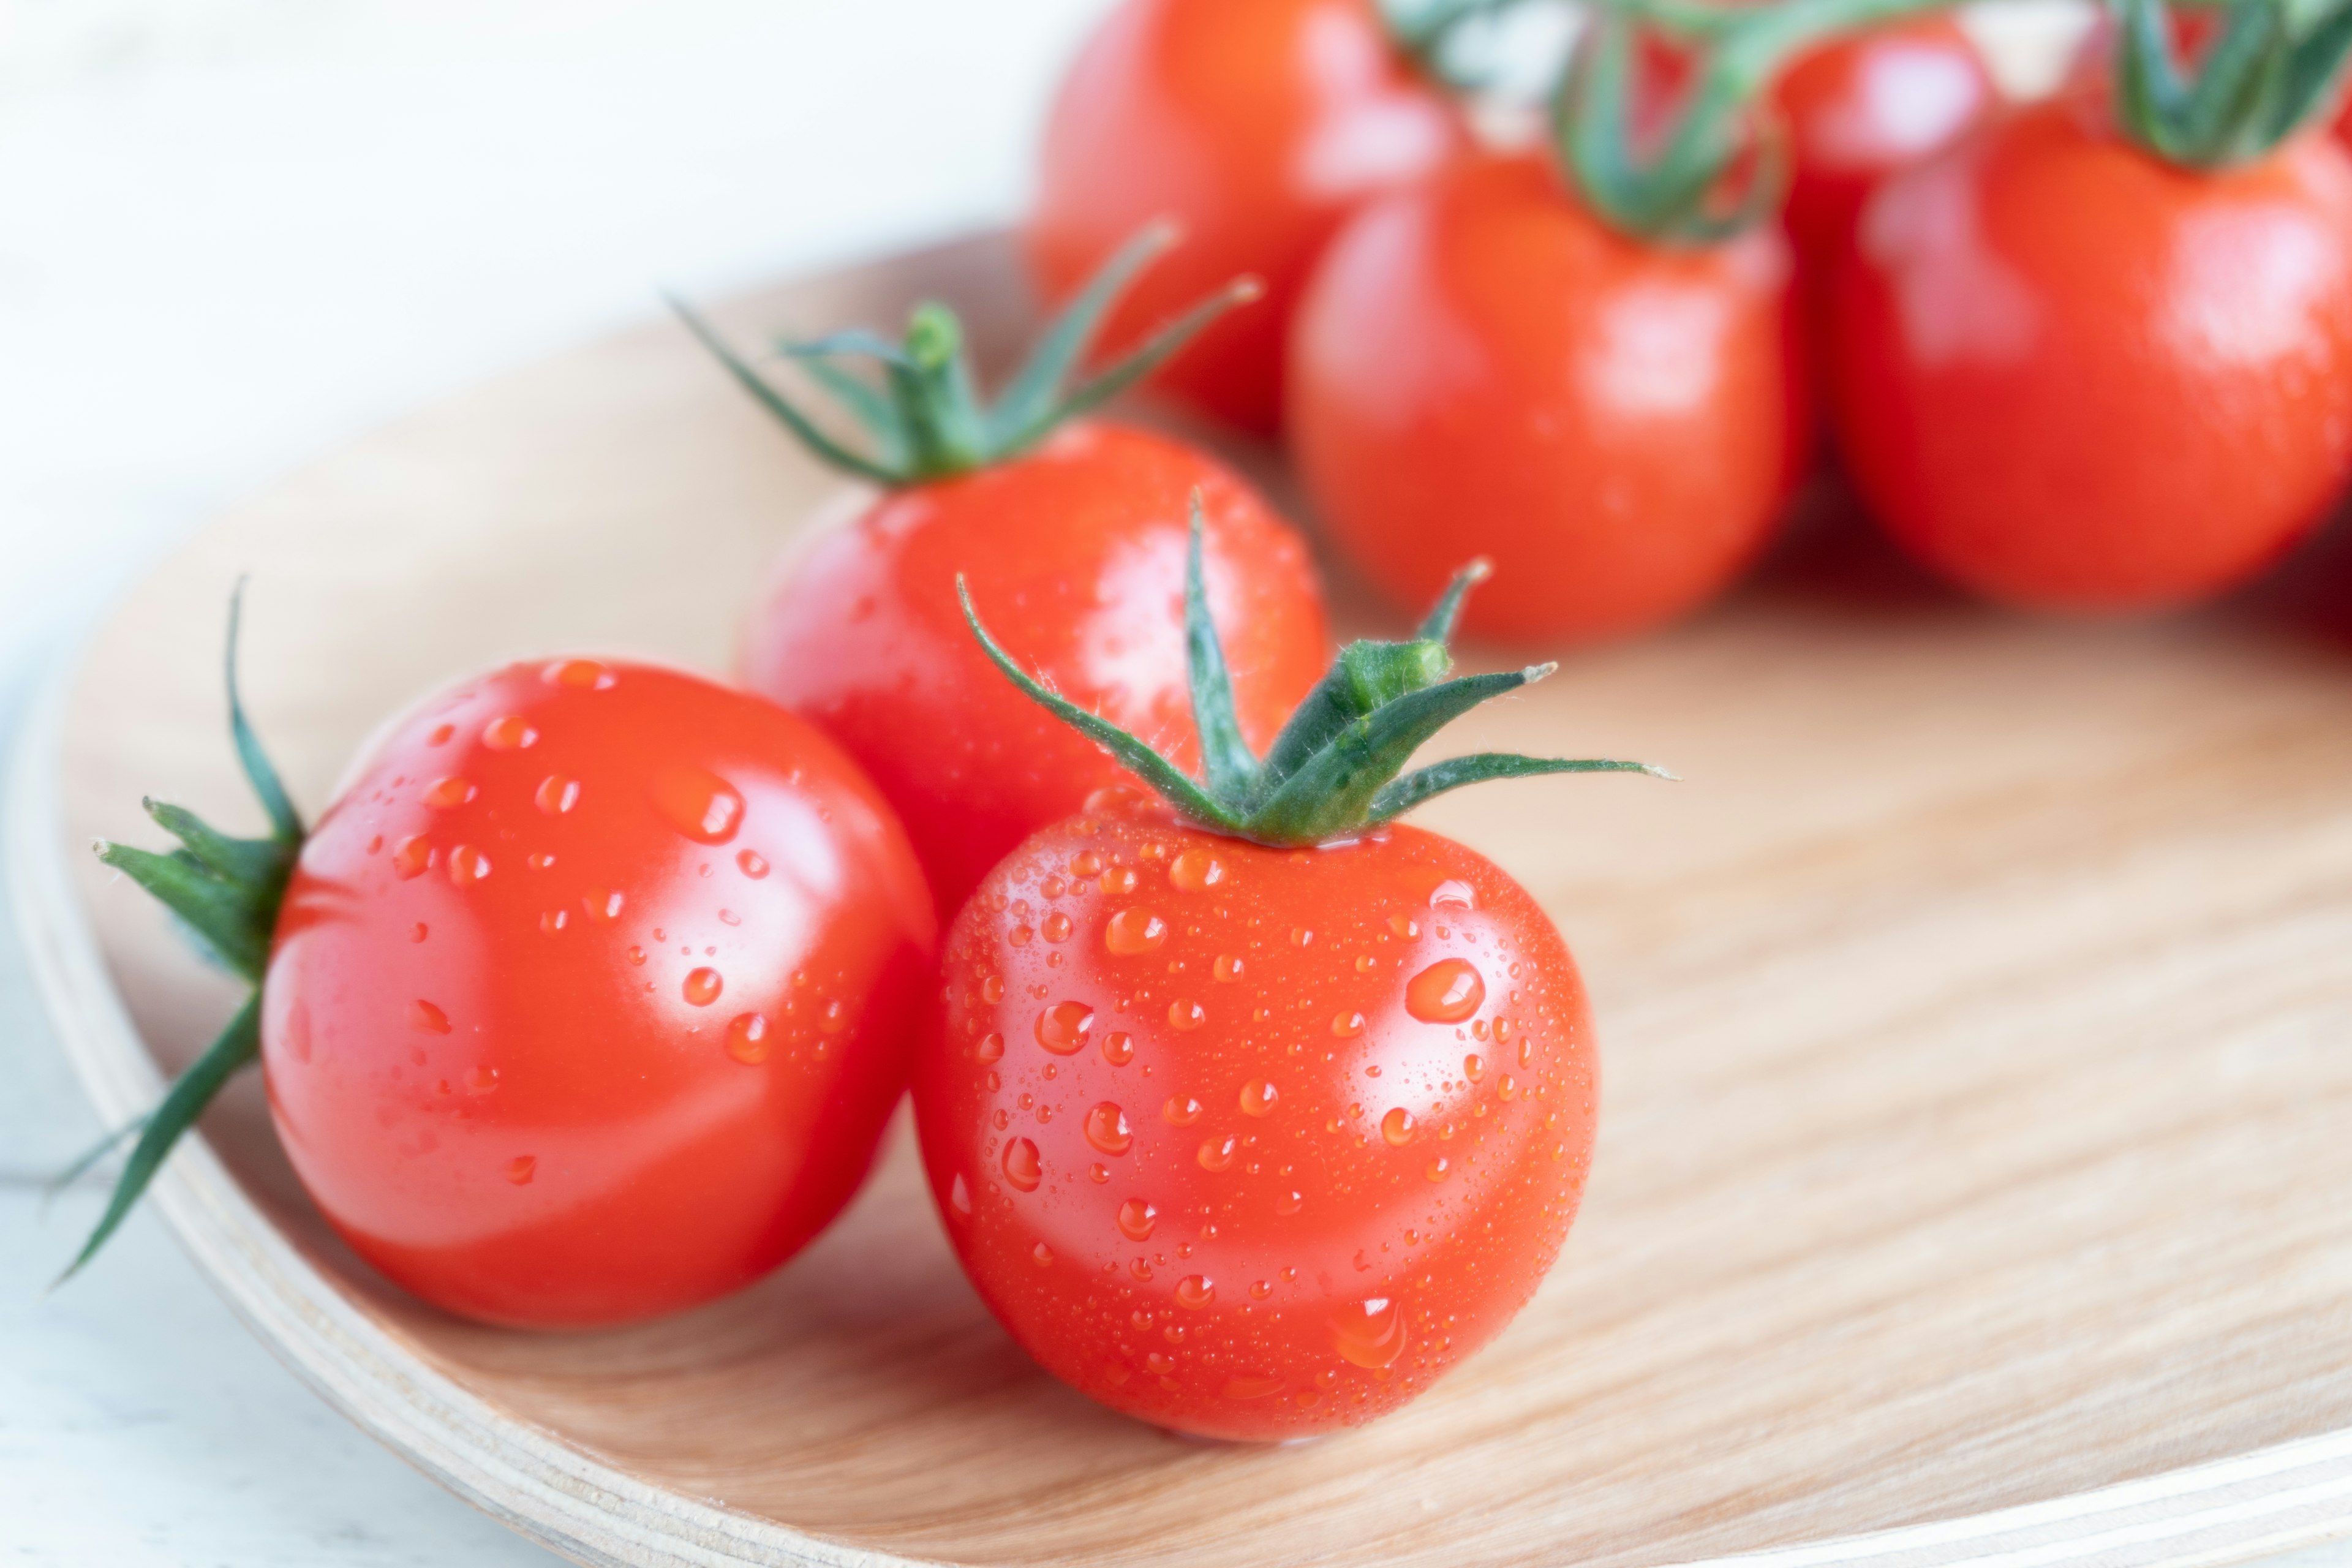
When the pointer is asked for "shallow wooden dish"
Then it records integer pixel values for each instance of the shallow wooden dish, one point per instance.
(1974, 1023)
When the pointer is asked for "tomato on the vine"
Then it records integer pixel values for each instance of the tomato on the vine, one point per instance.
(1257, 125)
(1073, 536)
(2100, 358)
(1254, 1115)
(585, 1001)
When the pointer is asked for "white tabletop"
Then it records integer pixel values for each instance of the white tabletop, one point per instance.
(233, 232)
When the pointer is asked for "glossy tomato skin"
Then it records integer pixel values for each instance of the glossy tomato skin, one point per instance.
(1076, 558)
(591, 994)
(1257, 125)
(1480, 367)
(2071, 377)
(1254, 1143)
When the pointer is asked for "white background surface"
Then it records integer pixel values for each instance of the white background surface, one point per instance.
(233, 232)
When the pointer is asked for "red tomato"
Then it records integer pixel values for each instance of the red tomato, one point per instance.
(590, 995)
(1257, 124)
(1254, 1142)
(1076, 556)
(1481, 367)
(2070, 376)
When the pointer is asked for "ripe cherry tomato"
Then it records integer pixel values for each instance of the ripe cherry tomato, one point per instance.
(1254, 1142)
(1482, 367)
(2070, 376)
(1257, 124)
(591, 994)
(1076, 555)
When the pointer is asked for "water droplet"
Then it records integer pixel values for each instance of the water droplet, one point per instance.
(554, 921)
(1347, 1026)
(1258, 1098)
(1020, 936)
(520, 1169)
(747, 1038)
(1042, 1253)
(1446, 992)
(539, 860)
(1021, 1165)
(1217, 1154)
(753, 865)
(1437, 1169)
(990, 1049)
(1098, 1173)
(1291, 1203)
(1397, 1127)
(1244, 1387)
(959, 1197)
(1181, 1110)
(1370, 1333)
(603, 905)
(991, 990)
(1063, 1027)
(446, 795)
(557, 794)
(510, 734)
(1136, 1219)
(698, 803)
(411, 856)
(730, 917)
(441, 733)
(1451, 894)
(1118, 879)
(1194, 870)
(580, 674)
(1056, 927)
(702, 987)
(1133, 930)
(1301, 936)
(424, 1016)
(1228, 967)
(1184, 1014)
(482, 1080)
(1473, 1067)
(1404, 925)
(1085, 863)
(1507, 1087)
(1119, 1048)
(419, 931)
(468, 864)
(1195, 1291)
(1107, 1130)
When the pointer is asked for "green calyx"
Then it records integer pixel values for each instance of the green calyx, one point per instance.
(1720, 164)
(2275, 66)
(1424, 30)
(1337, 766)
(225, 892)
(922, 418)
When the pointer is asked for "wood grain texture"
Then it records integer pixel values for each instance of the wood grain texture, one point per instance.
(1975, 1024)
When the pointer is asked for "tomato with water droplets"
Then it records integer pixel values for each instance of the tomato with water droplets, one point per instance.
(591, 994)
(1245, 1221)
(1075, 555)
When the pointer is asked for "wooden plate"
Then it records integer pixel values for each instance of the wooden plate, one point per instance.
(1978, 1028)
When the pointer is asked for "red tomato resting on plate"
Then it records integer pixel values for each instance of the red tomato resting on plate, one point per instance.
(586, 1000)
(1252, 1113)
(2100, 357)
(1257, 125)
(1072, 538)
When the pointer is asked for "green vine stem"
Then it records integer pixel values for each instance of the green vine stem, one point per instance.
(921, 418)
(1721, 165)
(2275, 66)
(225, 892)
(1337, 766)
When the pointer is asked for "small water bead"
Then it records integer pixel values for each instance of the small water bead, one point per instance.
(747, 1038)
(1133, 932)
(1451, 894)
(1181, 1110)
(960, 1197)
(554, 921)
(441, 733)
(1260, 1290)
(1137, 1219)
(730, 917)
(1042, 1253)
(510, 734)
(1020, 936)
(1371, 1333)
(411, 856)
(556, 795)
(447, 795)
(1227, 968)
(752, 864)
(1021, 1165)
(1473, 1067)
(991, 990)
(703, 986)
(1118, 879)
(1098, 1173)
(1056, 927)
(579, 675)
(1447, 991)
(1301, 936)
(1085, 865)
(1217, 1154)
(539, 860)
(637, 956)
(1405, 925)
(521, 1168)
(419, 931)
(1398, 1127)
(468, 864)
(1184, 1015)
(1195, 1291)
(1506, 1087)
(698, 803)
(482, 1080)
(1347, 1026)
(1291, 1203)
(603, 904)
(1437, 1169)
(1258, 1098)
(990, 1049)
(1195, 871)
(1119, 1048)
(1107, 1130)
(1063, 1028)
(426, 1019)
